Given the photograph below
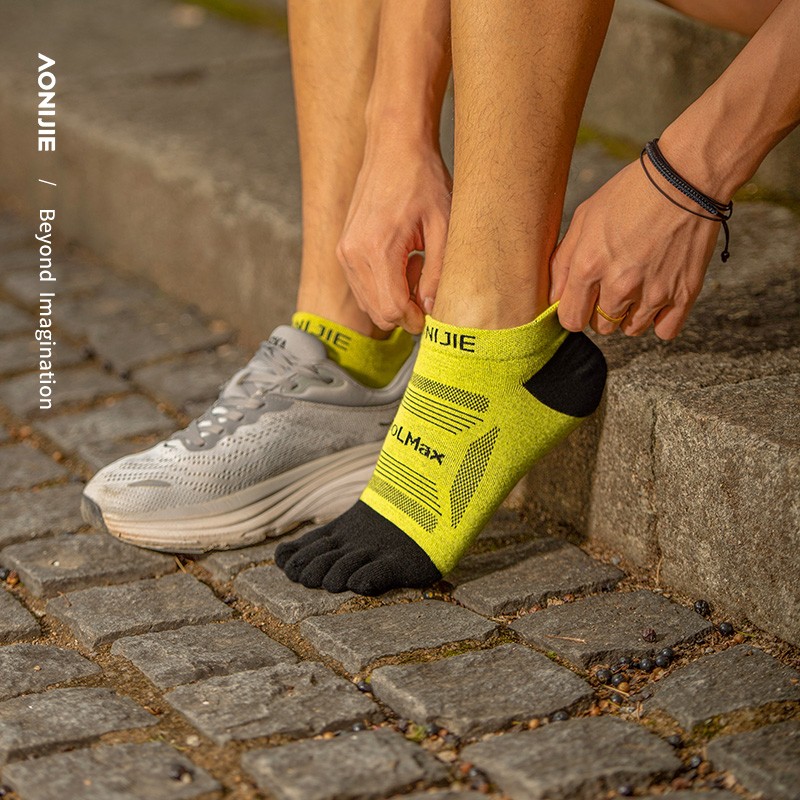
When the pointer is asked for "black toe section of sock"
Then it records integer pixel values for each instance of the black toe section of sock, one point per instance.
(285, 550)
(374, 556)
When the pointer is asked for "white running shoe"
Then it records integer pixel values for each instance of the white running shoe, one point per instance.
(292, 438)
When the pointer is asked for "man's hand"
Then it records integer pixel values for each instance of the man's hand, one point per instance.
(632, 252)
(401, 203)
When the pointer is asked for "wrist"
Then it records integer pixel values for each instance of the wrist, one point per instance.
(401, 125)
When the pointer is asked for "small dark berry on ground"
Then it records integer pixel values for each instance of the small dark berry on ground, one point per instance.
(726, 629)
(649, 634)
(625, 791)
(559, 716)
(667, 652)
(363, 686)
(695, 762)
(4, 790)
(402, 725)
(702, 607)
(4, 573)
(603, 675)
(624, 661)
(359, 726)
(647, 665)
(619, 678)
(617, 699)
(229, 599)
(432, 729)
(663, 661)
(675, 740)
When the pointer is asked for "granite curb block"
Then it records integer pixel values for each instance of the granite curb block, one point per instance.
(482, 691)
(293, 700)
(171, 658)
(766, 762)
(577, 758)
(359, 638)
(16, 622)
(378, 762)
(603, 628)
(102, 614)
(118, 772)
(290, 602)
(28, 668)
(738, 678)
(80, 561)
(41, 723)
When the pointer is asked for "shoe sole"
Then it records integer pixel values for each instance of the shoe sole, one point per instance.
(314, 492)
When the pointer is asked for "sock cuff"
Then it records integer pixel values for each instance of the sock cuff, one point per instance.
(505, 344)
(373, 362)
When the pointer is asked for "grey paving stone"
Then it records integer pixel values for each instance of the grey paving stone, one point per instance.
(287, 699)
(119, 772)
(224, 565)
(170, 658)
(690, 795)
(553, 573)
(193, 379)
(577, 758)
(21, 354)
(445, 795)
(480, 692)
(357, 766)
(288, 601)
(359, 638)
(81, 560)
(22, 467)
(137, 331)
(98, 454)
(737, 678)
(78, 385)
(42, 723)
(766, 761)
(31, 515)
(33, 667)
(610, 626)
(73, 276)
(5, 436)
(12, 233)
(13, 320)
(16, 622)
(131, 416)
(102, 614)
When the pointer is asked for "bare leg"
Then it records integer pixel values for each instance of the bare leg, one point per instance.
(333, 45)
(522, 71)
(741, 16)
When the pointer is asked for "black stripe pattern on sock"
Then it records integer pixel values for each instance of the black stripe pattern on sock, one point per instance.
(470, 473)
(572, 381)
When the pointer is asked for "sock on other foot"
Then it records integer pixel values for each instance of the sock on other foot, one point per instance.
(481, 407)
(373, 362)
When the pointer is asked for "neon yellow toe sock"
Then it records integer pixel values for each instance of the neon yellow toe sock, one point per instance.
(481, 407)
(373, 362)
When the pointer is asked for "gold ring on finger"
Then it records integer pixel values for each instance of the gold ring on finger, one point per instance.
(613, 320)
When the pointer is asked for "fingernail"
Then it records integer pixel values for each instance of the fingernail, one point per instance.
(427, 305)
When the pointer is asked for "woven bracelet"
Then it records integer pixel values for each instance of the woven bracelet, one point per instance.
(717, 212)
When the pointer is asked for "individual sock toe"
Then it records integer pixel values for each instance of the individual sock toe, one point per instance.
(305, 555)
(312, 575)
(339, 574)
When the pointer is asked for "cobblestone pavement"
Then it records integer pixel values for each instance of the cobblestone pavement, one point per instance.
(131, 674)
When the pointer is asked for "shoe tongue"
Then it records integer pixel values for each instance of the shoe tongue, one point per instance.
(303, 346)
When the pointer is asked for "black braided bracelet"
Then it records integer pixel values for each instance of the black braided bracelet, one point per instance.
(720, 212)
